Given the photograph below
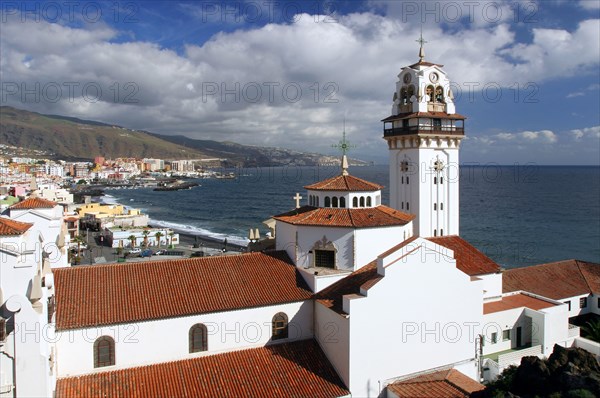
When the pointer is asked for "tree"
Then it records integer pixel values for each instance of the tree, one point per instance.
(171, 233)
(132, 238)
(592, 330)
(158, 235)
(145, 233)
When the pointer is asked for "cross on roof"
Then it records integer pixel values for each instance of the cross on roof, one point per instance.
(344, 144)
(297, 198)
(421, 41)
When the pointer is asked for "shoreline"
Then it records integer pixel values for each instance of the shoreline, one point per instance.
(187, 239)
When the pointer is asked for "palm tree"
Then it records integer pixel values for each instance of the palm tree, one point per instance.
(132, 239)
(171, 233)
(592, 330)
(145, 233)
(158, 235)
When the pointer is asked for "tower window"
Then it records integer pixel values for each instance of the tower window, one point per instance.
(327, 201)
(435, 180)
(368, 201)
(441, 206)
(437, 123)
(355, 202)
(317, 204)
(407, 179)
(342, 202)
(441, 180)
(198, 338)
(362, 201)
(334, 201)
(280, 326)
(435, 206)
(441, 232)
(402, 205)
(407, 207)
(104, 352)
(435, 232)
(402, 180)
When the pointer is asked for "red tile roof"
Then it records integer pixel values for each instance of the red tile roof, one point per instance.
(344, 183)
(468, 259)
(88, 296)
(12, 227)
(442, 384)
(298, 369)
(516, 301)
(557, 281)
(425, 63)
(380, 216)
(437, 115)
(33, 203)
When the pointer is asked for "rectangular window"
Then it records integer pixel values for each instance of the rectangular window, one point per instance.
(568, 303)
(441, 232)
(402, 180)
(583, 302)
(435, 232)
(325, 258)
(435, 180)
(441, 180)
(598, 302)
(494, 338)
(441, 206)
(407, 179)
(435, 206)
(407, 206)
(402, 205)
(437, 122)
(506, 335)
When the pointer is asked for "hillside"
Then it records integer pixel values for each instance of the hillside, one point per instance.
(68, 138)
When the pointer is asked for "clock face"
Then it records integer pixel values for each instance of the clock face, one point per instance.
(433, 77)
(438, 165)
(407, 78)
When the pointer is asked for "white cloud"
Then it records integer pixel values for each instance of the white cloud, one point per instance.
(592, 132)
(590, 4)
(341, 68)
(575, 94)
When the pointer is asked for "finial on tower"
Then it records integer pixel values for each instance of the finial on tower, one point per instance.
(421, 41)
(344, 145)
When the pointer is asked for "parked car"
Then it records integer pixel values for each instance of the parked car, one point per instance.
(135, 250)
(160, 252)
(146, 253)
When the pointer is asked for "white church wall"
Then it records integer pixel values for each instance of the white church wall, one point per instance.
(165, 340)
(591, 304)
(426, 311)
(497, 322)
(372, 242)
(332, 334)
(285, 239)
(342, 239)
(492, 285)
(553, 326)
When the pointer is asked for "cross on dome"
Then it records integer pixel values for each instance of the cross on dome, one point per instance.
(421, 41)
(344, 145)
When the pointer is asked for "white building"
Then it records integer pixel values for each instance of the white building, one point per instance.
(358, 299)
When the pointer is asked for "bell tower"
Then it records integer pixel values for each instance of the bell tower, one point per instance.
(423, 135)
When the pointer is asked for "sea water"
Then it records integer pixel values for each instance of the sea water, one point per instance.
(518, 215)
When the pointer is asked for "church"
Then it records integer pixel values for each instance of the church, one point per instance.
(358, 299)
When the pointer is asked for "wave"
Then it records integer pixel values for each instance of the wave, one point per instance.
(108, 200)
(205, 233)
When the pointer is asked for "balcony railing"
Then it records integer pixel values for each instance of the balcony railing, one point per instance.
(410, 130)
(573, 331)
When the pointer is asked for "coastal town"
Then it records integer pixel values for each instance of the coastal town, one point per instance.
(98, 232)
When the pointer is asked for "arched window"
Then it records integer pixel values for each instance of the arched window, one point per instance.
(439, 94)
(104, 352)
(441, 232)
(355, 202)
(198, 338)
(317, 204)
(435, 206)
(407, 179)
(435, 180)
(327, 201)
(429, 92)
(342, 202)
(402, 205)
(334, 201)
(441, 206)
(435, 232)
(362, 201)
(407, 206)
(368, 201)
(280, 326)
(411, 92)
(441, 180)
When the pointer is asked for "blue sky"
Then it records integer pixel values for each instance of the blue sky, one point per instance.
(287, 73)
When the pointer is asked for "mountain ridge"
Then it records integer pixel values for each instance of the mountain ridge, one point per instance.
(71, 138)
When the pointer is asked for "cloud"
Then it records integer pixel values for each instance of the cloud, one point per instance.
(592, 132)
(575, 94)
(590, 4)
(280, 84)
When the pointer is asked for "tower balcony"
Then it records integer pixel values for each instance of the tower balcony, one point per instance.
(434, 130)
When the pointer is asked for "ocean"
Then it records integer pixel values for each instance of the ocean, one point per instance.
(518, 215)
